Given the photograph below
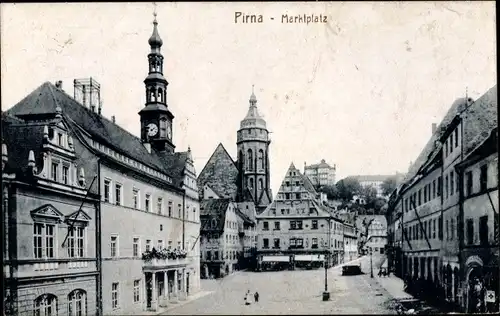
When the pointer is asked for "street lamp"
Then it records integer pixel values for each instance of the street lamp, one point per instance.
(371, 262)
(326, 294)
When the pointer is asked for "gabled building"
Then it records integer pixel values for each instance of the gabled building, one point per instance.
(296, 229)
(51, 224)
(149, 204)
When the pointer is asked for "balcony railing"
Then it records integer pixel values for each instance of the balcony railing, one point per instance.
(160, 263)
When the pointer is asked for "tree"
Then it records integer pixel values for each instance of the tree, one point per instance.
(347, 188)
(389, 185)
(331, 191)
(369, 193)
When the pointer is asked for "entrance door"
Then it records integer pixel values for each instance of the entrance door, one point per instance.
(149, 290)
(187, 284)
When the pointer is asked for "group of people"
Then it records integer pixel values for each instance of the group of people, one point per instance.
(248, 297)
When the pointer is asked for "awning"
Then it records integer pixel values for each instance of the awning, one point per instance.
(275, 259)
(309, 257)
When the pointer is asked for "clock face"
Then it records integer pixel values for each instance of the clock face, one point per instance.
(169, 131)
(152, 129)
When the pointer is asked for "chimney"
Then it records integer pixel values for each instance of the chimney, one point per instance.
(100, 107)
(148, 147)
(113, 119)
(59, 84)
(434, 127)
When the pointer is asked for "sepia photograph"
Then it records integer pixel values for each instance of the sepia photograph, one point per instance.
(249, 158)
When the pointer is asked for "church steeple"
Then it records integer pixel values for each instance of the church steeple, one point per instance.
(156, 118)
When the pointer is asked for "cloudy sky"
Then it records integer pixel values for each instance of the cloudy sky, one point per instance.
(360, 91)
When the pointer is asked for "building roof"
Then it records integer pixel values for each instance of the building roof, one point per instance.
(213, 212)
(480, 119)
(44, 100)
(20, 138)
(220, 173)
(320, 165)
(248, 208)
(253, 118)
(367, 218)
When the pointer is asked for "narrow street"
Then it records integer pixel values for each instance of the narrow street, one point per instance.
(292, 292)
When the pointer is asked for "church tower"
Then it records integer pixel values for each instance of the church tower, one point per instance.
(253, 158)
(156, 118)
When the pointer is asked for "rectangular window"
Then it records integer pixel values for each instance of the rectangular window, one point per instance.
(452, 182)
(114, 246)
(159, 206)
(434, 229)
(137, 289)
(406, 205)
(456, 137)
(135, 198)
(169, 208)
(451, 143)
(114, 295)
(447, 230)
(439, 186)
(297, 196)
(49, 241)
(160, 244)
(440, 228)
(76, 242)
(293, 225)
(65, 174)
(265, 226)
(483, 178)
(107, 190)
(299, 224)
(483, 230)
(148, 245)
(147, 202)
(276, 243)
(266, 243)
(287, 196)
(446, 186)
(314, 224)
(470, 231)
(419, 197)
(135, 247)
(433, 189)
(54, 171)
(59, 139)
(425, 194)
(118, 194)
(314, 243)
(468, 183)
(179, 207)
(38, 240)
(446, 148)
(276, 225)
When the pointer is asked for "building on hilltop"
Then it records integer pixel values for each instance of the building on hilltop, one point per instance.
(296, 229)
(146, 251)
(320, 174)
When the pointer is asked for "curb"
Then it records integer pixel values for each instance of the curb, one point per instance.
(189, 300)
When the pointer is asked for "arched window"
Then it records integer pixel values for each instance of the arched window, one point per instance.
(250, 160)
(77, 303)
(261, 184)
(152, 95)
(250, 183)
(240, 158)
(261, 158)
(44, 305)
(160, 95)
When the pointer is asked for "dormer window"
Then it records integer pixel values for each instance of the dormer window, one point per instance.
(60, 139)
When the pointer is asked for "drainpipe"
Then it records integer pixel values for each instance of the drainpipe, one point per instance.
(99, 242)
(184, 219)
(461, 214)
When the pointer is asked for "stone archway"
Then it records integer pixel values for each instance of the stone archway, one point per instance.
(474, 275)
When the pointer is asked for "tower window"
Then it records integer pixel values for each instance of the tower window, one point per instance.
(160, 95)
(260, 184)
(250, 183)
(250, 160)
(261, 158)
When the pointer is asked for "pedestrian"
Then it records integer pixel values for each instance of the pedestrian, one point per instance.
(256, 296)
(247, 298)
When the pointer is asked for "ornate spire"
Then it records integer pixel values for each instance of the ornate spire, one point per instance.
(253, 98)
(155, 41)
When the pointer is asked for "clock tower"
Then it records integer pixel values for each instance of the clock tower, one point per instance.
(156, 118)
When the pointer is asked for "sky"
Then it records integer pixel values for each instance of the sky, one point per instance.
(360, 91)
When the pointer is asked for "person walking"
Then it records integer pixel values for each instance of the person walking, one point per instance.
(256, 296)
(247, 298)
